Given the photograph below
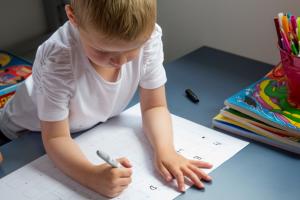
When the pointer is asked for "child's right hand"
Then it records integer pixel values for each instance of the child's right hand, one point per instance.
(110, 181)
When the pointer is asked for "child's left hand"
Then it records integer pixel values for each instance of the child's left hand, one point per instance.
(173, 165)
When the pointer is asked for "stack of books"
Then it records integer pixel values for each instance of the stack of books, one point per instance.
(261, 112)
(13, 70)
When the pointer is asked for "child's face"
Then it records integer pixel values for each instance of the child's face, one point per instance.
(110, 53)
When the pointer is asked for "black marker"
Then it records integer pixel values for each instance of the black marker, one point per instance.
(191, 95)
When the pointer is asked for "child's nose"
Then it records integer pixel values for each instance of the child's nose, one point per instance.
(119, 60)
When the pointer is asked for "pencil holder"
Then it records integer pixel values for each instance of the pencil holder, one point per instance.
(291, 67)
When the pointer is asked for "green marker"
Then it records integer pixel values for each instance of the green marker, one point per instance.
(294, 48)
(299, 47)
(298, 28)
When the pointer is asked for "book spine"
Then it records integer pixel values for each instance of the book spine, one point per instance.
(248, 134)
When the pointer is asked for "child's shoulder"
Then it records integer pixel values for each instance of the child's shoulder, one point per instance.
(67, 35)
(59, 44)
(154, 43)
(157, 29)
(156, 34)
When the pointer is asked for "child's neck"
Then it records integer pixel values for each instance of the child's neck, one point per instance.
(109, 74)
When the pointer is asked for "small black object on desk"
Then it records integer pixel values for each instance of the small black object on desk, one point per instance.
(191, 95)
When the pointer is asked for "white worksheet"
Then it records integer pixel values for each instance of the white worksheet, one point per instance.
(121, 136)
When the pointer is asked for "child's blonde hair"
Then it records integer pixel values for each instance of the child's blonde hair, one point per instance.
(116, 19)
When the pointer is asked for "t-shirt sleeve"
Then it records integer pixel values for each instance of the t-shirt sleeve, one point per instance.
(53, 82)
(153, 74)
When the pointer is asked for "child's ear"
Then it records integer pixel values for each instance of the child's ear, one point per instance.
(70, 14)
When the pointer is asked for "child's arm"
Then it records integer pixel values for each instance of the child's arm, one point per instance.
(68, 157)
(158, 127)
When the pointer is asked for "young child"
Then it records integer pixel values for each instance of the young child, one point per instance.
(86, 73)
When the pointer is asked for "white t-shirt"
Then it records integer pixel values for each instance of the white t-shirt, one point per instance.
(65, 85)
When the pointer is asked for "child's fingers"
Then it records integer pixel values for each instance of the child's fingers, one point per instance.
(123, 187)
(200, 173)
(124, 181)
(193, 177)
(125, 172)
(177, 173)
(119, 190)
(165, 173)
(201, 164)
(124, 162)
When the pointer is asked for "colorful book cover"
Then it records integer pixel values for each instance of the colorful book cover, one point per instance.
(13, 70)
(243, 118)
(283, 142)
(266, 100)
(260, 131)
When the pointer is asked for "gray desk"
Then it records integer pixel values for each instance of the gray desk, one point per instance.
(257, 172)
